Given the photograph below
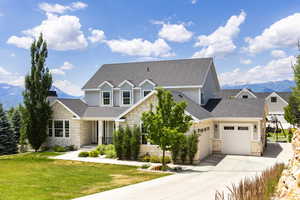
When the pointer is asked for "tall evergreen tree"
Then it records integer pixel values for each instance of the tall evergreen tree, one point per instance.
(16, 123)
(167, 122)
(8, 144)
(37, 84)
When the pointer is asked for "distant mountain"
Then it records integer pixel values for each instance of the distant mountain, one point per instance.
(278, 86)
(11, 95)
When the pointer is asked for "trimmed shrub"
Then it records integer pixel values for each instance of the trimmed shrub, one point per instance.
(145, 158)
(155, 159)
(110, 153)
(183, 150)
(70, 148)
(101, 149)
(145, 166)
(192, 146)
(167, 159)
(290, 135)
(118, 142)
(135, 142)
(175, 147)
(83, 154)
(58, 148)
(93, 153)
(126, 143)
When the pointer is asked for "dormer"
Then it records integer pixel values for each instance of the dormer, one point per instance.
(245, 94)
(126, 93)
(146, 87)
(106, 93)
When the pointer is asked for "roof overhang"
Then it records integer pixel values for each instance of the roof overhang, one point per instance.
(246, 90)
(275, 94)
(66, 107)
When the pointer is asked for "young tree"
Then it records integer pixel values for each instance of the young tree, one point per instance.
(37, 84)
(126, 143)
(16, 123)
(192, 144)
(167, 122)
(118, 142)
(135, 142)
(8, 143)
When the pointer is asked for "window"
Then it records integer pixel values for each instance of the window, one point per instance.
(243, 128)
(67, 128)
(228, 127)
(144, 134)
(106, 98)
(245, 96)
(126, 97)
(50, 128)
(273, 99)
(146, 92)
(58, 128)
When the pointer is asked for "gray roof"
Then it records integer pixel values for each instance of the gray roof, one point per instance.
(105, 112)
(228, 93)
(163, 73)
(193, 108)
(284, 95)
(76, 105)
(249, 108)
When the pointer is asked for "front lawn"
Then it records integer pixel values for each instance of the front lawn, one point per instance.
(281, 137)
(34, 176)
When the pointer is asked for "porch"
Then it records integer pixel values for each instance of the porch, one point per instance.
(101, 132)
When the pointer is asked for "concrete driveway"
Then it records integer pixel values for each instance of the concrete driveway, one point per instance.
(202, 181)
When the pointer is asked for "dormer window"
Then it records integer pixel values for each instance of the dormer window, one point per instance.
(106, 98)
(126, 97)
(245, 96)
(146, 92)
(273, 99)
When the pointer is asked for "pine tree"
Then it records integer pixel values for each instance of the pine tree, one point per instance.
(16, 123)
(8, 144)
(37, 84)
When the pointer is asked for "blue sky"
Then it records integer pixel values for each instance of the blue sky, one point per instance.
(251, 41)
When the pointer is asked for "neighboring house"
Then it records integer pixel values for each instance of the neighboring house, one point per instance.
(118, 94)
(275, 101)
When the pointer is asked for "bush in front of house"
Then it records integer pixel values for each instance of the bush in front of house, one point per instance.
(126, 143)
(183, 150)
(176, 147)
(83, 154)
(110, 153)
(118, 142)
(192, 146)
(70, 148)
(101, 149)
(58, 148)
(167, 159)
(145, 166)
(94, 153)
(155, 159)
(135, 142)
(145, 158)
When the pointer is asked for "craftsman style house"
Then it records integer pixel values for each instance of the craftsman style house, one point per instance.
(118, 94)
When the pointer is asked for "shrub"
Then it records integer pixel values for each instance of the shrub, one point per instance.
(176, 146)
(167, 159)
(83, 154)
(145, 158)
(155, 159)
(135, 142)
(118, 142)
(192, 146)
(101, 149)
(70, 148)
(183, 150)
(126, 143)
(145, 166)
(58, 148)
(110, 153)
(45, 148)
(290, 135)
(93, 153)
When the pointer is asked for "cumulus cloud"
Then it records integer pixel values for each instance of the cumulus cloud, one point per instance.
(283, 33)
(96, 35)
(278, 54)
(140, 47)
(175, 32)
(246, 61)
(60, 9)
(220, 42)
(1, 14)
(68, 87)
(61, 33)
(62, 69)
(275, 70)
(194, 1)
(11, 78)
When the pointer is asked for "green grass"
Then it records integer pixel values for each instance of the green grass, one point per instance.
(281, 137)
(34, 176)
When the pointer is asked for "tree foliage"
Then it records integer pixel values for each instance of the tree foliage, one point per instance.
(192, 144)
(135, 142)
(16, 122)
(167, 122)
(37, 84)
(8, 143)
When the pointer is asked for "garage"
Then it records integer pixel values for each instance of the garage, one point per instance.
(236, 138)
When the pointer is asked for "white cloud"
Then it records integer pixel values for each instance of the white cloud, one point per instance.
(68, 87)
(283, 33)
(61, 70)
(246, 61)
(11, 78)
(278, 54)
(141, 47)
(13, 55)
(275, 70)
(175, 32)
(220, 42)
(60, 9)
(61, 33)
(1, 14)
(96, 35)
(194, 1)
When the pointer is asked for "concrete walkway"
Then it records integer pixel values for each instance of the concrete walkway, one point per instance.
(199, 183)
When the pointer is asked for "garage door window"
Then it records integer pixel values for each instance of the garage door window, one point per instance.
(227, 128)
(243, 128)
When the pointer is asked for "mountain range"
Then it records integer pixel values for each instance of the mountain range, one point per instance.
(11, 95)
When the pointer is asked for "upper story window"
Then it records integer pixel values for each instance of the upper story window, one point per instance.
(245, 96)
(146, 92)
(126, 97)
(106, 98)
(273, 99)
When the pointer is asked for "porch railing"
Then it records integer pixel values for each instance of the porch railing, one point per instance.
(107, 140)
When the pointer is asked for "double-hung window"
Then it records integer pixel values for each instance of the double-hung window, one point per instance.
(58, 128)
(273, 99)
(67, 128)
(126, 97)
(106, 98)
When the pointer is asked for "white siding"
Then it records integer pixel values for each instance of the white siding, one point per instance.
(210, 87)
(192, 93)
(92, 98)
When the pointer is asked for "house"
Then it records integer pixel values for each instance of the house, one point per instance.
(117, 95)
(275, 101)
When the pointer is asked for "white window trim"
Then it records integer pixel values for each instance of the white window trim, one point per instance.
(147, 81)
(121, 98)
(64, 128)
(101, 97)
(143, 91)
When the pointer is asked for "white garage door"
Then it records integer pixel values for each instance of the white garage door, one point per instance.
(236, 138)
(204, 144)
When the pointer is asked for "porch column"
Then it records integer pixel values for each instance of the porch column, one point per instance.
(100, 131)
(117, 124)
